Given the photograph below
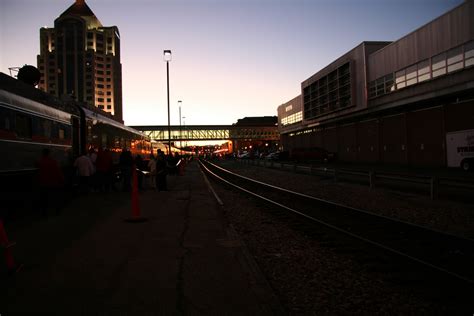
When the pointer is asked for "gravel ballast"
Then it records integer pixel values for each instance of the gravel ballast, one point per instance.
(312, 278)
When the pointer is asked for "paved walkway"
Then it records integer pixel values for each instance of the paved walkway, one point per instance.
(185, 260)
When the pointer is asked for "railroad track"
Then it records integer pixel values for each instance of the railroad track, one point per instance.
(448, 258)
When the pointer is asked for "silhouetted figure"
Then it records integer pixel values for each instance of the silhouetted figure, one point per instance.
(139, 164)
(161, 171)
(172, 163)
(51, 182)
(85, 170)
(126, 164)
(104, 169)
(93, 178)
(152, 169)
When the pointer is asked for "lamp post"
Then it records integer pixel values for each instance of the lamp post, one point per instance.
(184, 126)
(180, 134)
(167, 58)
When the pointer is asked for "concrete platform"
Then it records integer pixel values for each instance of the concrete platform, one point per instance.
(184, 260)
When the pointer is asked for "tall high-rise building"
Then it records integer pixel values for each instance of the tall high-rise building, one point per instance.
(81, 58)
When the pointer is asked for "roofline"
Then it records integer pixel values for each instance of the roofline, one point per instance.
(419, 28)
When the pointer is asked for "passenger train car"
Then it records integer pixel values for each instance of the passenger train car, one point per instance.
(31, 120)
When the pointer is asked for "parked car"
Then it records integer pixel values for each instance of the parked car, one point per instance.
(244, 155)
(273, 156)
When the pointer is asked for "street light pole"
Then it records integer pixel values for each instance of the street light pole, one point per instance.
(167, 58)
(180, 134)
(185, 134)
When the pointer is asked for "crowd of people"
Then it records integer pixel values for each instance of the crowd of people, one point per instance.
(95, 171)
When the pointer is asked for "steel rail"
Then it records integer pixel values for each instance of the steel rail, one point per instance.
(333, 227)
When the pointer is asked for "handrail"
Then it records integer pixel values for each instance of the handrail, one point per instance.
(433, 181)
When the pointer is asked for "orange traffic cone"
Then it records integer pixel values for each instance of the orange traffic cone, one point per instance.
(7, 245)
(136, 217)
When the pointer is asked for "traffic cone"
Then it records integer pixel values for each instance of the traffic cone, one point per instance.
(7, 245)
(136, 217)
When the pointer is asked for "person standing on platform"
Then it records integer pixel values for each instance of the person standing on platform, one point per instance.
(152, 169)
(85, 169)
(51, 181)
(161, 171)
(126, 165)
(104, 166)
(93, 158)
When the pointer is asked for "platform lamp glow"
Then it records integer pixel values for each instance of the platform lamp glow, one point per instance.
(167, 58)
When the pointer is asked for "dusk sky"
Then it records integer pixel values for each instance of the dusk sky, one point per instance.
(231, 58)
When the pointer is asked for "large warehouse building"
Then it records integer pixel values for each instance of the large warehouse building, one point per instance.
(391, 102)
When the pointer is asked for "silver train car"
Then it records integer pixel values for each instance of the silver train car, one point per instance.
(31, 120)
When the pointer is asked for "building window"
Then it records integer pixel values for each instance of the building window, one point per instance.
(389, 84)
(328, 93)
(400, 79)
(292, 118)
(411, 75)
(424, 70)
(109, 100)
(439, 65)
(469, 54)
(380, 86)
(109, 107)
(455, 57)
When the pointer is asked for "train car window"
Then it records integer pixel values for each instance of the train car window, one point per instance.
(61, 133)
(5, 119)
(104, 140)
(116, 142)
(47, 125)
(23, 125)
(67, 131)
(55, 130)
